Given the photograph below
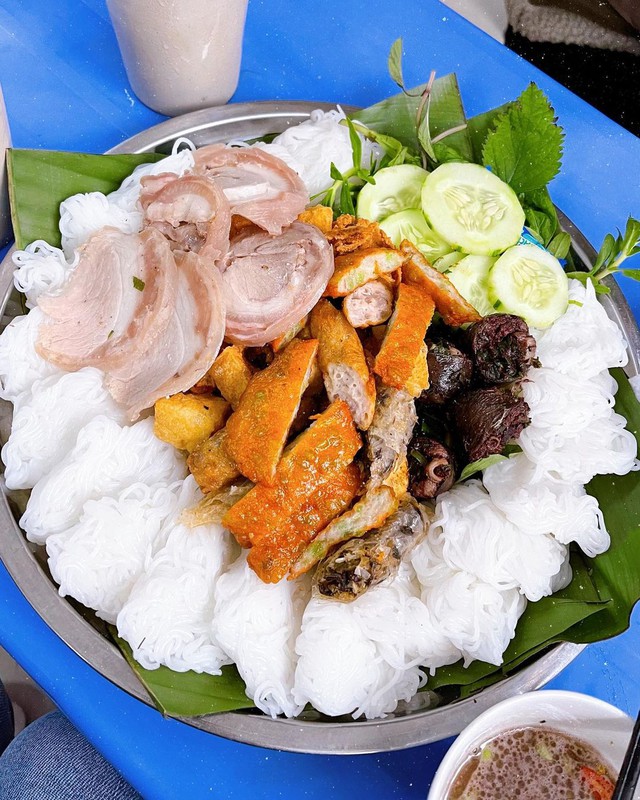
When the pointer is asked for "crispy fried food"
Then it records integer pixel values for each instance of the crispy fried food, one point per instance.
(369, 305)
(419, 378)
(239, 224)
(343, 363)
(320, 216)
(257, 430)
(185, 420)
(213, 506)
(231, 374)
(211, 465)
(271, 557)
(356, 269)
(389, 435)
(282, 518)
(368, 513)
(451, 305)
(205, 385)
(404, 338)
(349, 234)
(282, 341)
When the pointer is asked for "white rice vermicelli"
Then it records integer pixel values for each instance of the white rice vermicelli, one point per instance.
(545, 506)
(311, 147)
(98, 560)
(362, 658)
(81, 215)
(574, 433)
(41, 269)
(167, 618)
(62, 404)
(584, 341)
(470, 534)
(256, 624)
(105, 459)
(20, 364)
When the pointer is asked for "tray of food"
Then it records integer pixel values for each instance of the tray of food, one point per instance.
(304, 402)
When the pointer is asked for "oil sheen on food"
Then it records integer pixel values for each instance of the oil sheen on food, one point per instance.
(531, 764)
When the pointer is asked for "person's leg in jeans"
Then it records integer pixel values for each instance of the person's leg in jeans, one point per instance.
(51, 760)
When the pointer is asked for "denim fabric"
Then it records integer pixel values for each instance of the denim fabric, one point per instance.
(6, 719)
(51, 760)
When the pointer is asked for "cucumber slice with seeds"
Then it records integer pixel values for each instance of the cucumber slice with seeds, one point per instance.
(412, 225)
(529, 282)
(470, 276)
(395, 189)
(472, 209)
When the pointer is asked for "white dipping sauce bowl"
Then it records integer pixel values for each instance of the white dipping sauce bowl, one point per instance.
(599, 724)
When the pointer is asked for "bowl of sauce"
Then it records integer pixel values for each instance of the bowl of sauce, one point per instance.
(546, 745)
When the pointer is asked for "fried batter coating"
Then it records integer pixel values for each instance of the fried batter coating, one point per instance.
(185, 420)
(350, 234)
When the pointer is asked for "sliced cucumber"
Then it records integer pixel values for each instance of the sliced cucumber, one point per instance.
(412, 225)
(448, 261)
(529, 282)
(395, 189)
(472, 209)
(470, 276)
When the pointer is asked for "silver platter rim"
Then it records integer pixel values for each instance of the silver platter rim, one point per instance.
(417, 727)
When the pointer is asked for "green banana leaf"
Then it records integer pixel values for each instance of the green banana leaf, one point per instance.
(595, 606)
(396, 116)
(39, 180)
(188, 694)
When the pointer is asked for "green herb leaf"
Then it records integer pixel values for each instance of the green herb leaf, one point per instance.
(540, 214)
(560, 244)
(356, 145)
(478, 128)
(335, 173)
(525, 147)
(346, 200)
(394, 63)
(39, 180)
(488, 461)
(138, 284)
(634, 274)
(615, 250)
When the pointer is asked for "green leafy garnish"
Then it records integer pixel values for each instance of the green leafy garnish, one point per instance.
(138, 284)
(615, 250)
(525, 146)
(488, 461)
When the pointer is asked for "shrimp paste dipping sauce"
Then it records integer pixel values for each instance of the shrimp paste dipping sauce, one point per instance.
(534, 763)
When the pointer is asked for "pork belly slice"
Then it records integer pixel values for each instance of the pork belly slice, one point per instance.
(271, 282)
(343, 364)
(176, 359)
(190, 211)
(258, 186)
(451, 305)
(122, 292)
(404, 339)
(258, 429)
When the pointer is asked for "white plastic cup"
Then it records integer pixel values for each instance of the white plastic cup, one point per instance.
(5, 142)
(180, 55)
(601, 725)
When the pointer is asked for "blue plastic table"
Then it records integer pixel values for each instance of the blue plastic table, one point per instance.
(65, 88)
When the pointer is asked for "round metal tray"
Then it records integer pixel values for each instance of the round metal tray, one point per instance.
(413, 723)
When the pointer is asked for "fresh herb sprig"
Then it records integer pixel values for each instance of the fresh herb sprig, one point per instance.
(615, 251)
(342, 194)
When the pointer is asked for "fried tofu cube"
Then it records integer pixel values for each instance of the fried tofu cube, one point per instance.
(211, 465)
(320, 216)
(231, 374)
(185, 420)
(205, 385)
(404, 338)
(355, 269)
(451, 305)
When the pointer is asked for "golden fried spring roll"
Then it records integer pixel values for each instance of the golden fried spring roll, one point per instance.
(210, 464)
(369, 305)
(355, 269)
